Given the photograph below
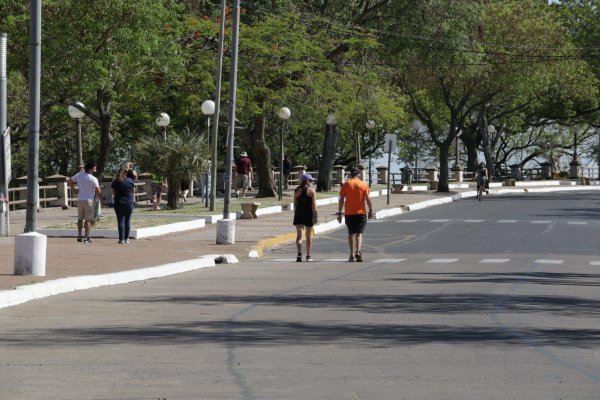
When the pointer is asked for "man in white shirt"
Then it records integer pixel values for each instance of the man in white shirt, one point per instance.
(88, 189)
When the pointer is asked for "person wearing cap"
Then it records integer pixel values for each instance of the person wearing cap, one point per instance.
(243, 169)
(354, 194)
(305, 214)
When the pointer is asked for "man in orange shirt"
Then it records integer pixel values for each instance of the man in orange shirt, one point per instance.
(355, 193)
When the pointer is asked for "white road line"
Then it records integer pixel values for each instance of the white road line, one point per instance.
(440, 220)
(284, 260)
(474, 220)
(546, 261)
(336, 260)
(541, 222)
(494, 260)
(507, 221)
(407, 220)
(389, 260)
(442, 260)
(594, 262)
(577, 223)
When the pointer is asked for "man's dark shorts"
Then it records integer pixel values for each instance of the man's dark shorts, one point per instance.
(356, 223)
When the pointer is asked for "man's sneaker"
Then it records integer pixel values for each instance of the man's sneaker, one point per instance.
(351, 259)
(309, 259)
(79, 239)
(299, 257)
(126, 241)
(121, 242)
(358, 257)
(87, 240)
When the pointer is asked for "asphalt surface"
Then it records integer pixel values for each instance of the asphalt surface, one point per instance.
(65, 257)
(440, 309)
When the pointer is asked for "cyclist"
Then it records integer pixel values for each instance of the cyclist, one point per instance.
(481, 177)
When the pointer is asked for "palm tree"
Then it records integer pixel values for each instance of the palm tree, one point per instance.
(177, 157)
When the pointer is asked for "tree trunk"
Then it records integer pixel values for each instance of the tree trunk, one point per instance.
(262, 158)
(443, 175)
(326, 168)
(104, 122)
(471, 141)
(104, 143)
(172, 194)
(488, 149)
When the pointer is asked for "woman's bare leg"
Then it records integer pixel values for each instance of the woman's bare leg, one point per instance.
(299, 238)
(309, 235)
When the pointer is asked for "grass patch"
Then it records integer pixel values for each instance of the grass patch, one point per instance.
(110, 222)
(234, 205)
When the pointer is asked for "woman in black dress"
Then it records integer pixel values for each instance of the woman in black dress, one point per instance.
(305, 214)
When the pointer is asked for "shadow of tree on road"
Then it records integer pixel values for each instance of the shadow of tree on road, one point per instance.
(337, 321)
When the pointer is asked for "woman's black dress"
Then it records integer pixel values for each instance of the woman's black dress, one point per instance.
(303, 214)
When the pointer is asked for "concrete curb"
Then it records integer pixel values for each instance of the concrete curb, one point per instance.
(139, 233)
(25, 293)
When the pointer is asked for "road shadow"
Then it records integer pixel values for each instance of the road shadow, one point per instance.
(189, 328)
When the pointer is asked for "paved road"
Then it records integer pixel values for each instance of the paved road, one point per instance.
(490, 300)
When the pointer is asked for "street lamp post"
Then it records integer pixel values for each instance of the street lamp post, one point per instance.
(284, 114)
(163, 121)
(457, 149)
(75, 111)
(370, 124)
(208, 109)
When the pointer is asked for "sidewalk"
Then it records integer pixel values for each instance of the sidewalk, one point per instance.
(67, 258)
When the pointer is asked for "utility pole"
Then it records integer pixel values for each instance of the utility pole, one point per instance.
(35, 62)
(215, 129)
(226, 226)
(30, 247)
(3, 126)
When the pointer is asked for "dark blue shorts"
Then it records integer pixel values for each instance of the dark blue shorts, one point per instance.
(356, 223)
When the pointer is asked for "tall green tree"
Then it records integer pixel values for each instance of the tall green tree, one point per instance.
(108, 54)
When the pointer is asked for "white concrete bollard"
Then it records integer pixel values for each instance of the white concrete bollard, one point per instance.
(30, 254)
(226, 231)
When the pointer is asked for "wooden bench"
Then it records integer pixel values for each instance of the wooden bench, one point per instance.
(249, 210)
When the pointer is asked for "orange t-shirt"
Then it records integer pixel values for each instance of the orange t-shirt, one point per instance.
(355, 191)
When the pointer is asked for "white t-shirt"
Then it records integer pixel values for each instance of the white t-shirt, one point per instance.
(86, 183)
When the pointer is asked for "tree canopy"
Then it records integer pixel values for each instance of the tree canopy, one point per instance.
(456, 66)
